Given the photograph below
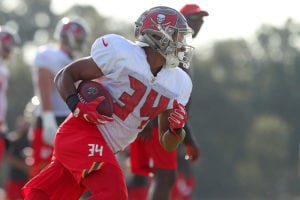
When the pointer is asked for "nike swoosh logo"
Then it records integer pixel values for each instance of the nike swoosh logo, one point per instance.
(104, 43)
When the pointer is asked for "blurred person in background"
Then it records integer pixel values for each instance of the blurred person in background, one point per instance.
(8, 41)
(71, 36)
(185, 181)
(149, 159)
(18, 157)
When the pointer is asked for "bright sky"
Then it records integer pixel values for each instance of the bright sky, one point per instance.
(227, 19)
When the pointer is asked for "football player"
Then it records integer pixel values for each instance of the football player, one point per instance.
(71, 35)
(145, 82)
(149, 159)
(8, 41)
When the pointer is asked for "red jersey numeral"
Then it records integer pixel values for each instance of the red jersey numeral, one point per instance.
(148, 109)
(130, 101)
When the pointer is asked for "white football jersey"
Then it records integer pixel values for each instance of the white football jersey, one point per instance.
(138, 95)
(53, 59)
(4, 76)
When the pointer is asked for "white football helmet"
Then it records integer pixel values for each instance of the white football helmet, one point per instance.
(71, 33)
(166, 30)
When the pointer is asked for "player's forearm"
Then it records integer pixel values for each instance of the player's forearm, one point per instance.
(64, 84)
(66, 78)
(45, 87)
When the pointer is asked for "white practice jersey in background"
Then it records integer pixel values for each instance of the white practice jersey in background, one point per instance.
(138, 95)
(4, 76)
(53, 59)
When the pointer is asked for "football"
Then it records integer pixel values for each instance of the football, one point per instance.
(89, 90)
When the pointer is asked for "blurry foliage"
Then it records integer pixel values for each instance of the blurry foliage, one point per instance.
(265, 164)
(245, 109)
(245, 114)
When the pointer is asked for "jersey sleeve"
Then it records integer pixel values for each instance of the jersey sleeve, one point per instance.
(104, 55)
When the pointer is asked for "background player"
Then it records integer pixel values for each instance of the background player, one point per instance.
(144, 80)
(52, 110)
(148, 158)
(8, 41)
(185, 181)
(17, 156)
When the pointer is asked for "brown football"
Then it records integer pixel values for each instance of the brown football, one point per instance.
(89, 90)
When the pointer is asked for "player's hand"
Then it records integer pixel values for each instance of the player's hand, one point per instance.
(49, 127)
(192, 152)
(88, 112)
(177, 117)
